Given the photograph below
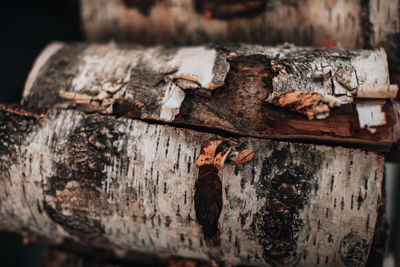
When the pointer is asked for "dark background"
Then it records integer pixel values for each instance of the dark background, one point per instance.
(25, 28)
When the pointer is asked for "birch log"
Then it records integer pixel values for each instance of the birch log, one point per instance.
(60, 257)
(131, 185)
(340, 23)
(244, 90)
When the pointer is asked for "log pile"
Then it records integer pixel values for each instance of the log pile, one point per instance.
(227, 154)
(333, 23)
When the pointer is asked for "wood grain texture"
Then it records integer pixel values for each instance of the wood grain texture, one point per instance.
(131, 185)
(223, 88)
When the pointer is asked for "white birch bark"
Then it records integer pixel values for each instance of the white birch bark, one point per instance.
(131, 185)
(215, 86)
(340, 23)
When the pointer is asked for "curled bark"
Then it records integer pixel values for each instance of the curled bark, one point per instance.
(235, 90)
(131, 185)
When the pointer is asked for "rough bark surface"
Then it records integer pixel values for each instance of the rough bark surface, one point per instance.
(56, 256)
(340, 23)
(131, 185)
(228, 89)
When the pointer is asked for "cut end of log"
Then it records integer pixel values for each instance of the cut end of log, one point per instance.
(40, 61)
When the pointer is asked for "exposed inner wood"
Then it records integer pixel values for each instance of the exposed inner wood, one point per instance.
(208, 202)
(225, 89)
(127, 184)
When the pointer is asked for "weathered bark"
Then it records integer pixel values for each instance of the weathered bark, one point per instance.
(341, 23)
(61, 257)
(131, 185)
(232, 89)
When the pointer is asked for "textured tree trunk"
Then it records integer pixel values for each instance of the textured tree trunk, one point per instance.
(136, 186)
(196, 176)
(289, 93)
(341, 23)
(61, 257)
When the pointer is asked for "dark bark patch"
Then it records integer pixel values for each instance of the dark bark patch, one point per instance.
(143, 6)
(126, 109)
(14, 128)
(75, 192)
(360, 200)
(208, 202)
(91, 147)
(79, 223)
(145, 92)
(366, 25)
(286, 186)
(230, 9)
(353, 250)
(247, 84)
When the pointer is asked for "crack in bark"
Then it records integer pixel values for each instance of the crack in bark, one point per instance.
(286, 177)
(244, 80)
(131, 111)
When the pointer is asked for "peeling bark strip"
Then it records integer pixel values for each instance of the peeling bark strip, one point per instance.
(225, 88)
(312, 104)
(132, 185)
(340, 23)
(208, 194)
